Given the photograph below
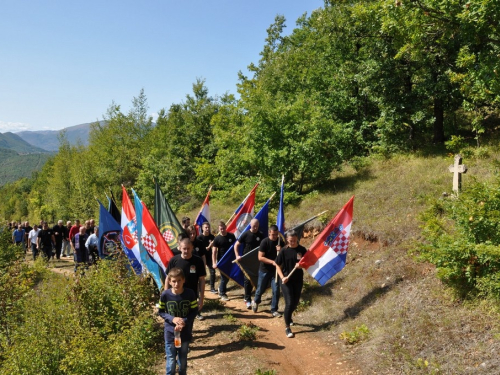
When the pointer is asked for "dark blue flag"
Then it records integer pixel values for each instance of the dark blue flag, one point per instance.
(226, 265)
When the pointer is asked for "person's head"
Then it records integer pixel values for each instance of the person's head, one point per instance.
(27, 224)
(176, 278)
(35, 227)
(181, 236)
(273, 232)
(192, 232)
(68, 223)
(45, 225)
(292, 238)
(82, 230)
(92, 222)
(60, 222)
(186, 222)
(205, 228)
(222, 228)
(87, 224)
(186, 248)
(77, 222)
(96, 230)
(254, 225)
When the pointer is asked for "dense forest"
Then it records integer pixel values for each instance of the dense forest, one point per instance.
(353, 78)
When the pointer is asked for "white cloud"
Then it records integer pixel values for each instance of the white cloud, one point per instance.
(14, 127)
(154, 115)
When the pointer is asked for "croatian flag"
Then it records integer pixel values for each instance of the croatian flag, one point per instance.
(129, 233)
(204, 214)
(148, 244)
(327, 255)
(243, 216)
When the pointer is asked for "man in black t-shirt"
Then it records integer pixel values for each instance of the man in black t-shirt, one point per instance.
(59, 234)
(268, 251)
(45, 240)
(207, 239)
(222, 243)
(194, 271)
(249, 240)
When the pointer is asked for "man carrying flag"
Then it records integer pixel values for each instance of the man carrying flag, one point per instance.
(268, 251)
(249, 240)
(221, 244)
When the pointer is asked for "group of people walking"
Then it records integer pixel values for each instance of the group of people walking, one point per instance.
(182, 300)
(59, 241)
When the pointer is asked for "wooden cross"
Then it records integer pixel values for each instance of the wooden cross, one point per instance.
(457, 169)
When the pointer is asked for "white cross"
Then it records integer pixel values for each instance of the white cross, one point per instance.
(457, 169)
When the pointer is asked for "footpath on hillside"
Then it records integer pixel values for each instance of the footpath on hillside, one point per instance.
(218, 348)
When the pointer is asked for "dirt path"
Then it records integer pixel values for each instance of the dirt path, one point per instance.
(217, 349)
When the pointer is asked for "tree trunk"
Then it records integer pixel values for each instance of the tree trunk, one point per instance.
(439, 121)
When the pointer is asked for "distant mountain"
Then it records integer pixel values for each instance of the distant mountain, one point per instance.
(14, 142)
(48, 139)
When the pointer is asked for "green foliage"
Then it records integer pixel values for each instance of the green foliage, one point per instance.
(265, 372)
(247, 332)
(303, 305)
(213, 305)
(14, 166)
(85, 325)
(230, 318)
(355, 336)
(463, 240)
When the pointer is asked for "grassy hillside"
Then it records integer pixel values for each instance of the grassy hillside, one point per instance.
(14, 166)
(385, 310)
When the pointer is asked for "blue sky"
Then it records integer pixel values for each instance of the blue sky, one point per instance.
(63, 62)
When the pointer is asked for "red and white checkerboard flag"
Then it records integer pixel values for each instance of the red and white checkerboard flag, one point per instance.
(327, 255)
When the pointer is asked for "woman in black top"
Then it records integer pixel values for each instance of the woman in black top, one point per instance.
(291, 275)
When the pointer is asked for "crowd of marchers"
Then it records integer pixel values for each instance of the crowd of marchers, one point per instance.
(72, 240)
(182, 300)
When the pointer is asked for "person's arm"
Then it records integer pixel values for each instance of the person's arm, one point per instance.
(201, 288)
(263, 259)
(214, 257)
(236, 250)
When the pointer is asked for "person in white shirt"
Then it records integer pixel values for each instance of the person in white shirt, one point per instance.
(92, 244)
(32, 238)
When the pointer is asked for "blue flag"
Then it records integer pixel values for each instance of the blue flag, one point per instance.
(226, 265)
(153, 268)
(109, 233)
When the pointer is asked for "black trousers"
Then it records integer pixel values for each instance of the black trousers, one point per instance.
(291, 292)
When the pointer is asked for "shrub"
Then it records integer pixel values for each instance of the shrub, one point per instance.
(247, 332)
(463, 240)
(358, 334)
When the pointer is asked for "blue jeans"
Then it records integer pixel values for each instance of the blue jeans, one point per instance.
(223, 284)
(172, 353)
(263, 281)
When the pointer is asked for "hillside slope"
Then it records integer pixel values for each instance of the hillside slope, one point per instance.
(48, 139)
(14, 142)
(14, 166)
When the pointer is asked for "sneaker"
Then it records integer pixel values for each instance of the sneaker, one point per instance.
(224, 297)
(249, 305)
(214, 291)
(200, 317)
(289, 333)
(276, 314)
(255, 306)
(291, 322)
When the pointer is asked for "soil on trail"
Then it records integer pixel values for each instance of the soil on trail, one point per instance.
(217, 349)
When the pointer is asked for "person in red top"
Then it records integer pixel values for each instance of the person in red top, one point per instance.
(74, 229)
